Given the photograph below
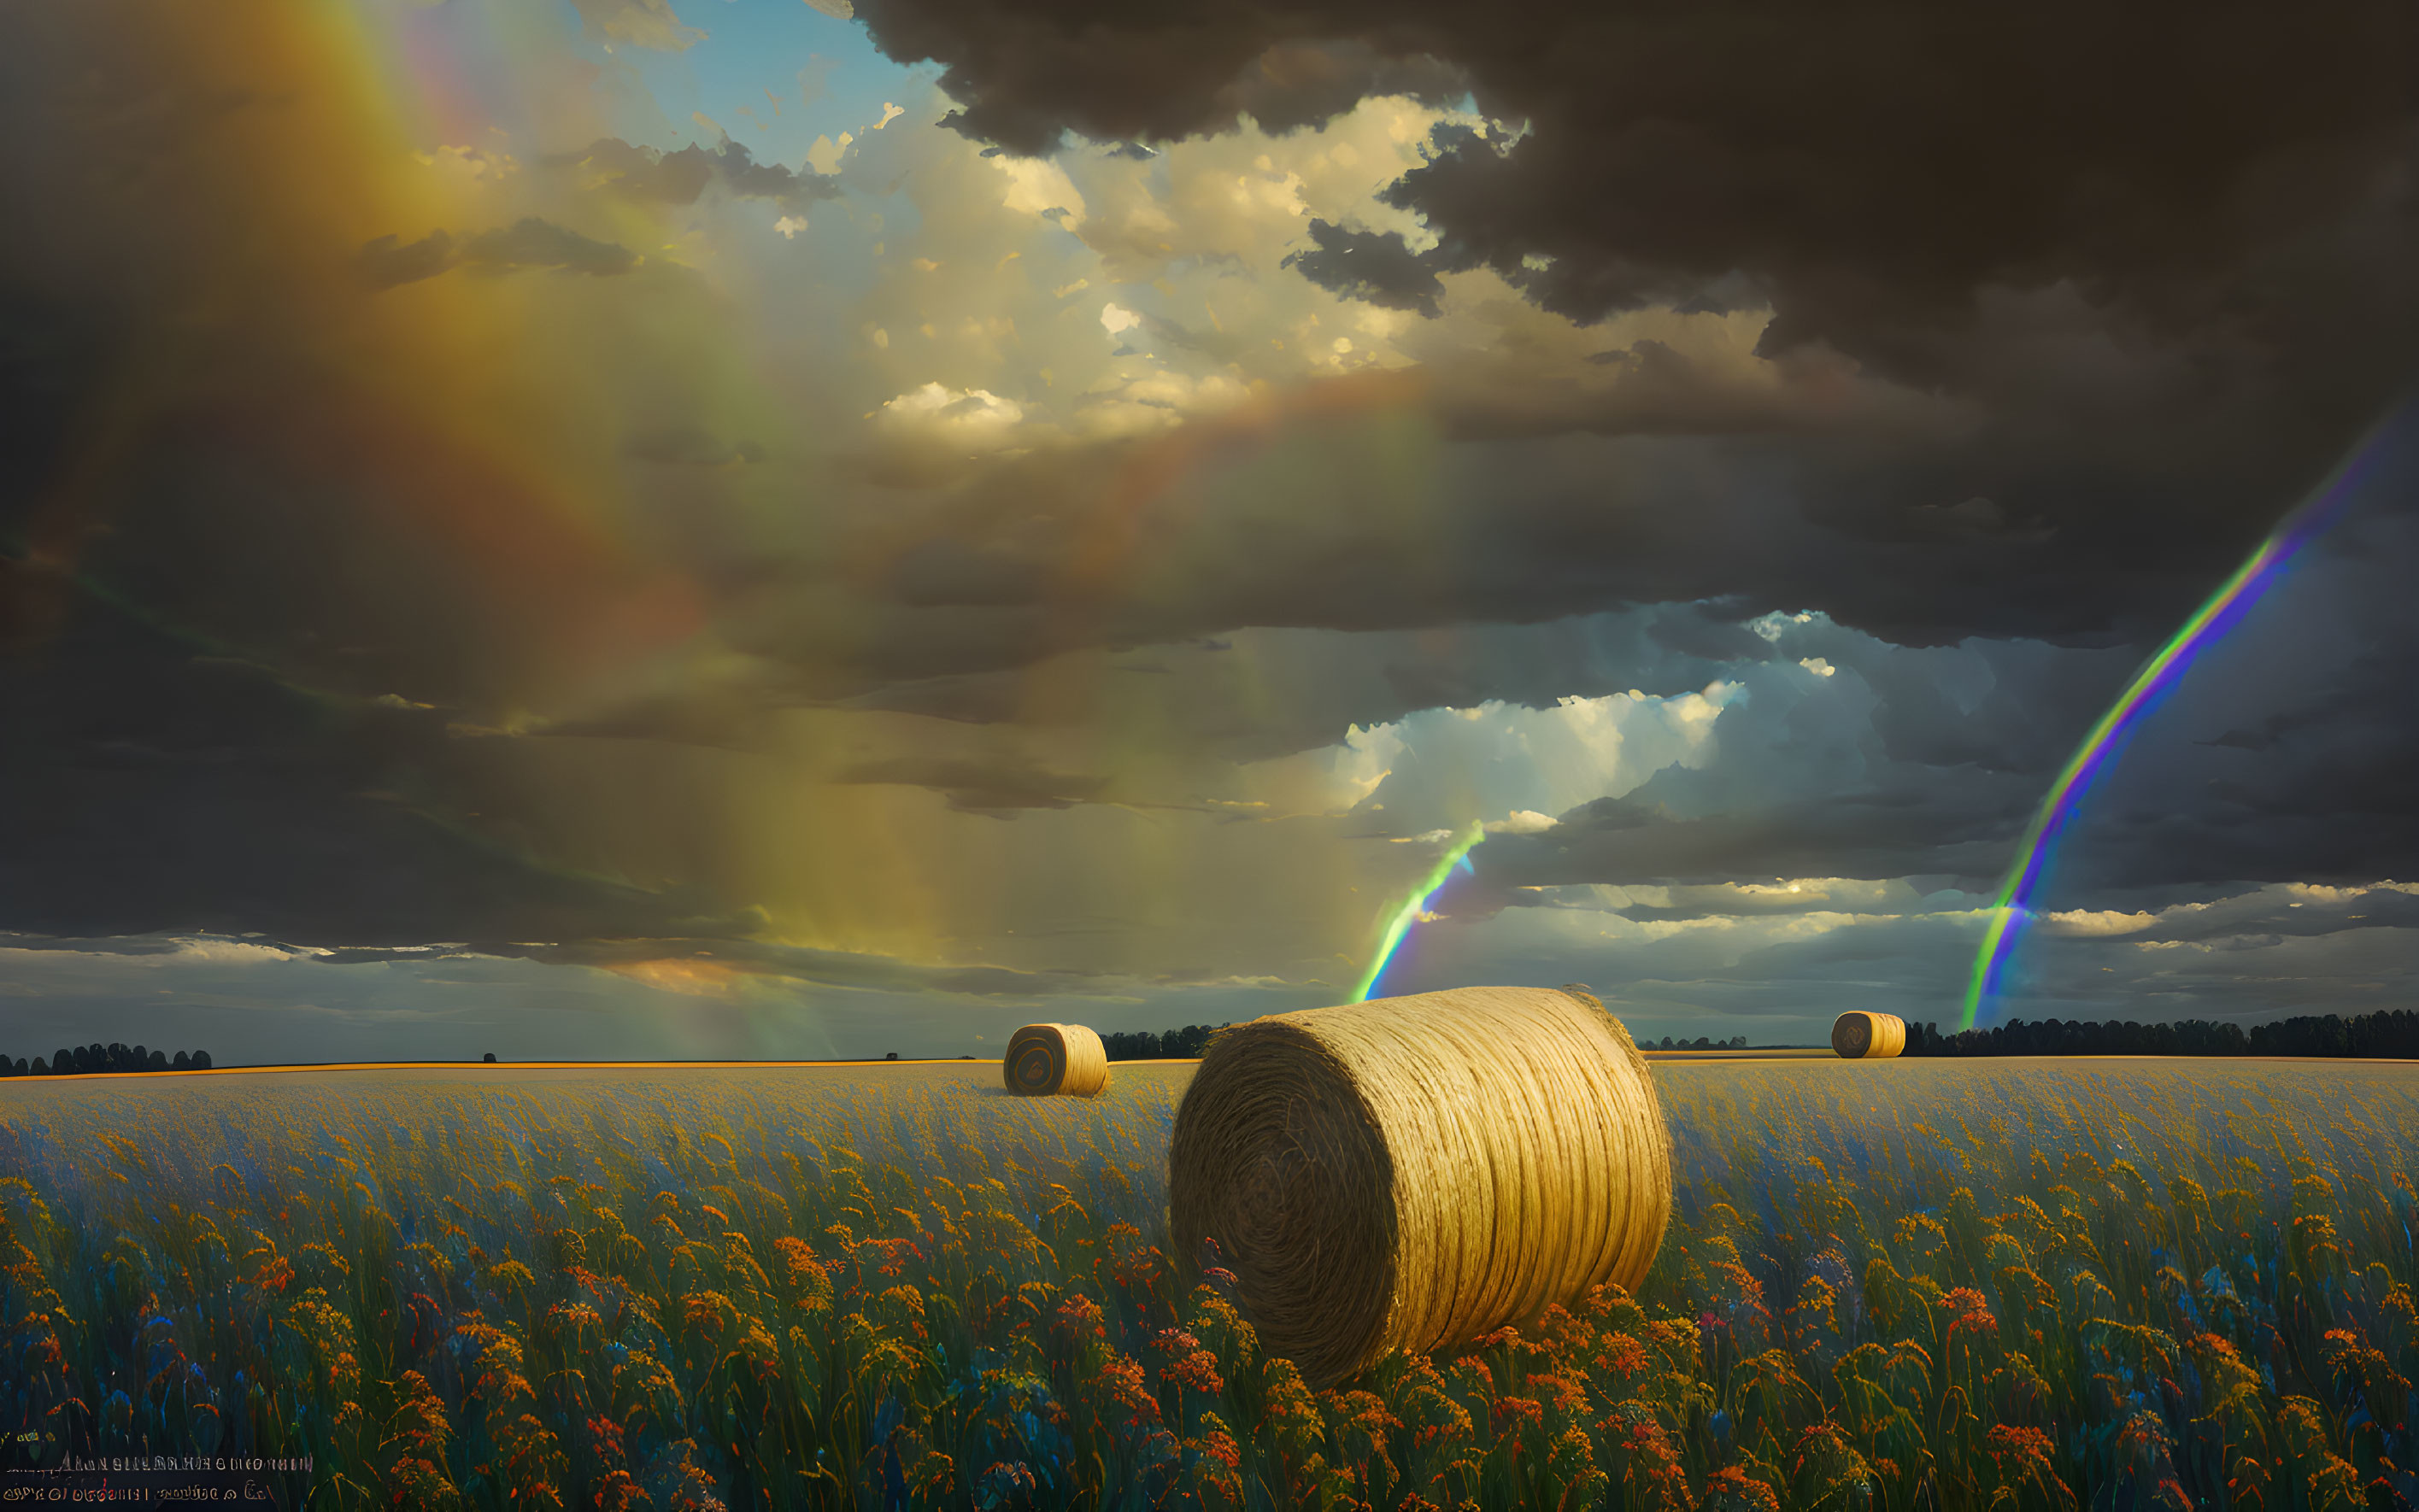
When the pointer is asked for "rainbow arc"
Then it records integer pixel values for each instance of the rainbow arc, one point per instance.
(2225, 609)
(1456, 855)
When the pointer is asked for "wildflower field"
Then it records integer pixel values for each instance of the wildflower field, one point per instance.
(1909, 1284)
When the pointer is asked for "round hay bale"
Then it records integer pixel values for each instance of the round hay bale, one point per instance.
(1862, 1036)
(1414, 1172)
(1056, 1059)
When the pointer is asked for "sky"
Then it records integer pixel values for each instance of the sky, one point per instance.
(750, 529)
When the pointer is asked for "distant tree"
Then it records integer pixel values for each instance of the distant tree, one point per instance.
(488, 1058)
(1185, 1043)
(201, 1061)
(181, 1061)
(893, 1056)
(1188, 1043)
(157, 1062)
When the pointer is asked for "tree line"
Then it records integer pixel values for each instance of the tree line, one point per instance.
(1184, 1043)
(2387, 1034)
(1188, 1043)
(85, 1060)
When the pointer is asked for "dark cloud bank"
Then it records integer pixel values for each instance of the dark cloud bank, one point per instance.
(2165, 251)
(2165, 258)
(2147, 273)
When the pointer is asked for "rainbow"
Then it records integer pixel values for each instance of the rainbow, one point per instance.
(2223, 611)
(1456, 854)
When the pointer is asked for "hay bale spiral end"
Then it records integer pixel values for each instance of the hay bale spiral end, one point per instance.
(1056, 1061)
(1410, 1172)
(1863, 1037)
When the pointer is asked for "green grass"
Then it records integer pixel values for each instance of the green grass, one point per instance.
(1951, 1285)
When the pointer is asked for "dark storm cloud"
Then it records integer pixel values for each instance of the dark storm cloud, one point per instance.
(2283, 755)
(1883, 533)
(147, 786)
(2040, 372)
(2165, 259)
(1365, 265)
(1875, 162)
(2286, 753)
(1922, 820)
(1299, 84)
(1026, 77)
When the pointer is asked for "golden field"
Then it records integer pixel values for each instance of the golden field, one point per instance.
(2119, 1283)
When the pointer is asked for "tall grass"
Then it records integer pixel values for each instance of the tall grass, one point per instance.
(1911, 1285)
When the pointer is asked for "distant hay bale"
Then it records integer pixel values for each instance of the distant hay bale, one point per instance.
(1415, 1171)
(1056, 1059)
(1862, 1036)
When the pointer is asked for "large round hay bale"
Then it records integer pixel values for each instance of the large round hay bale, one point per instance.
(1056, 1059)
(1863, 1037)
(1414, 1172)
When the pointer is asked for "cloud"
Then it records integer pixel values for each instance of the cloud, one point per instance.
(2157, 318)
(1521, 821)
(533, 242)
(980, 787)
(1658, 157)
(149, 789)
(972, 419)
(1368, 265)
(649, 175)
(726, 601)
(648, 24)
(387, 262)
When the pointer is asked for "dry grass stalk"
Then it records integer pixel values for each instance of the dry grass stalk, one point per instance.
(1414, 1172)
(1862, 1036)
(1056, 1061)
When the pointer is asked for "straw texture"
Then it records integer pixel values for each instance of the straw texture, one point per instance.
(1414, 1172)
(1862, 1036)
(1056, 1061)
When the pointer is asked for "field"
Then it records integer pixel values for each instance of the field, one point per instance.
(2119, 1284)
